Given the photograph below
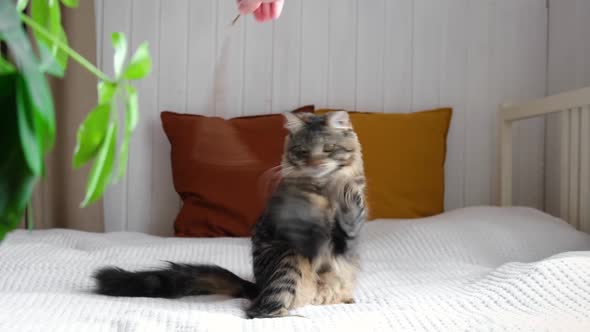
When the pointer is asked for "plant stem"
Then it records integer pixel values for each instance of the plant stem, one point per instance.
(70, 52)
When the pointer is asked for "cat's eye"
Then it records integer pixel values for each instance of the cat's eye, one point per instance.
(329, 147)
(299, 150)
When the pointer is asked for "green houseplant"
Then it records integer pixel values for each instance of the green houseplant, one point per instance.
(27, 123)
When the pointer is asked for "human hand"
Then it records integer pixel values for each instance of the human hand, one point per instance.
(263, 10)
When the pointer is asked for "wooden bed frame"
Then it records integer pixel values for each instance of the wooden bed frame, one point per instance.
(574, 158)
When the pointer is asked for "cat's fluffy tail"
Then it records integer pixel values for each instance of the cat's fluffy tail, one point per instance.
(177, 280)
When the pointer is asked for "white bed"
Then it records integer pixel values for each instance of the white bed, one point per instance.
(478, 268)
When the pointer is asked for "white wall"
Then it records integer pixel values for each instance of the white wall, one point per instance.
(569, 68)
(373, 55)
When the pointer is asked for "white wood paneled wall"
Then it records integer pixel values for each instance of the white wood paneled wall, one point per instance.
(373, 55)
(568, 69)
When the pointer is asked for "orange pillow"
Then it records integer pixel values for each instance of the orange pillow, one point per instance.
(221, 171)
(404, 156)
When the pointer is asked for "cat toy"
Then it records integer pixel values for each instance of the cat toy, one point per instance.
(233, 22)
(234, 152)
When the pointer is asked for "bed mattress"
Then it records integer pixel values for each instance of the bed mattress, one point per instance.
(472, 269)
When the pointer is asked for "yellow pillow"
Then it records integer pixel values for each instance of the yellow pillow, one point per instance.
(404, 156)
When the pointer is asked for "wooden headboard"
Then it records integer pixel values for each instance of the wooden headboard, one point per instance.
(574, 110)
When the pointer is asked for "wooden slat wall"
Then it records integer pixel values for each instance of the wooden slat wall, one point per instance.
(374, 55)
(568, 69)
(141, 183)
(584, 203)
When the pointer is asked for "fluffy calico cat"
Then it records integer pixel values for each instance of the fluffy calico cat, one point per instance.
(304, 245)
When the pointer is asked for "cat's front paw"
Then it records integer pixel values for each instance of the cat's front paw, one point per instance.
(260, 312)
(351, 219)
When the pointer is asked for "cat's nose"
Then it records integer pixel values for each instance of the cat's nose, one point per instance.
(314, 161)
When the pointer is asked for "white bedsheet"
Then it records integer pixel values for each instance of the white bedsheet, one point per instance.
(474, 269)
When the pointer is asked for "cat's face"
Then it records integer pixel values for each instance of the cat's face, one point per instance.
(319, 145)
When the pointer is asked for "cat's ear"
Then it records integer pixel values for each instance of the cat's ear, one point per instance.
(339, 120)
(293, 122)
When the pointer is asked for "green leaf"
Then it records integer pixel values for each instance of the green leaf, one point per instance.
(48, 63)
(61, 56)
(47, 13)
(6, 67)
(44, 116)
(29, 139)
(123, 157)
(21, 5)
(70, 3)
(100, 174)
(28, 65)
(43, 106)
(140, 64)
(131, 117)
(8, 83)
(91, 134)
(131, 114)
(16, 180)
(120, 45)
(106, 91)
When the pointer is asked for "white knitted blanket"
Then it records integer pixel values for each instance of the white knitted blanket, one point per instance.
(474, 269)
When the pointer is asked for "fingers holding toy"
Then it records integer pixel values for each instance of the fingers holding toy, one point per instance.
(262, 10)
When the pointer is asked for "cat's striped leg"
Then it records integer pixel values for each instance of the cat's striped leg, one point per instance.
(278, 289)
